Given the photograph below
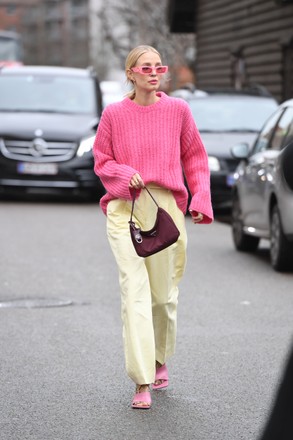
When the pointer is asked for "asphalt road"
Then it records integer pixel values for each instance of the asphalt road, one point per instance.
(62, 371)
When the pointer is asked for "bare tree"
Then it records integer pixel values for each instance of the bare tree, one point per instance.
(134, 22)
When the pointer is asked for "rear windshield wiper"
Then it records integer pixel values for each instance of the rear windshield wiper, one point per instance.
(243, 130)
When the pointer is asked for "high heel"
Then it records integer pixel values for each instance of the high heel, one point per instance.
(162, 375)
(141, 400)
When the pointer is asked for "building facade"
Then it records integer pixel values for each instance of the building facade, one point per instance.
(12, 12)
(61, 33)
(240, 44)
(54, 32)
(57, 33)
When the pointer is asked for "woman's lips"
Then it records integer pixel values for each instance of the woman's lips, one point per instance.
(153, 81)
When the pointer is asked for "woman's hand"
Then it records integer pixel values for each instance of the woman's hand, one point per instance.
(197, 217)
(136, 182)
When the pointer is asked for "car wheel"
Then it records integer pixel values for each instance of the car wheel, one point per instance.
(242, 241)
(281, 250)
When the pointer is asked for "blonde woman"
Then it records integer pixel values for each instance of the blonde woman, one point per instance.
(145, 140)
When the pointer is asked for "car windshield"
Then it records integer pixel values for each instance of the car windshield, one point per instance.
(231, 114)
(52, 94)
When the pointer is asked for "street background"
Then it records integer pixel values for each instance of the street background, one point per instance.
(62, 368)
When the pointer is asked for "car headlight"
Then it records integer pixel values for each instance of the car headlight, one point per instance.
(85, 146)
(214, 163)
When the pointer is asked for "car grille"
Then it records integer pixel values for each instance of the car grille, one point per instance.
(37, 150)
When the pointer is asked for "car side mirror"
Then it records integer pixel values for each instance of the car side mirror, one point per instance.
(240, 151)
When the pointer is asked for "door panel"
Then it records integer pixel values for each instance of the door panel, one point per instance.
(259, 173)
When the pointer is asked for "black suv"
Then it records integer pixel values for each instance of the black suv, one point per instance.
(48, 119)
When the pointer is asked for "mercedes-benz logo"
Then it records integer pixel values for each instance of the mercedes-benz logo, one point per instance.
(38, 132)
(38, 147)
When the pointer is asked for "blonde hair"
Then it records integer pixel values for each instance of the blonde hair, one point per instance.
(131, 61)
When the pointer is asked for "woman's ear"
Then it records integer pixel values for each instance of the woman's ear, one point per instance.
(130, 76)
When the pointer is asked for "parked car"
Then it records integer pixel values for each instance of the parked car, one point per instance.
(48, 118)
(223, 120)
(188, 91)
(263, 191)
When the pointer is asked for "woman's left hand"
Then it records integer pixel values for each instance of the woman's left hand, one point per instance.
(136, 182)
(197, 217)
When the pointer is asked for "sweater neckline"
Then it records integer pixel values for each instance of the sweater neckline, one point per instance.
(131, 105)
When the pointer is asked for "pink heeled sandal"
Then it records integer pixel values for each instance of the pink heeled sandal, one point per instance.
(140, 398)
(161, 374)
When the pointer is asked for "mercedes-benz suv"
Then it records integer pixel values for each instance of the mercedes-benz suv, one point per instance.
(48, 119)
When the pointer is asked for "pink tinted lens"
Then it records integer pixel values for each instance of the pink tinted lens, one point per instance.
(148, 69)
(161, 69)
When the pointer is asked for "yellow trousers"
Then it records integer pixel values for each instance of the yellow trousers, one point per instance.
(149, 286)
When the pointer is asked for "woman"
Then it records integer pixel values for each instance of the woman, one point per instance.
(145, 140)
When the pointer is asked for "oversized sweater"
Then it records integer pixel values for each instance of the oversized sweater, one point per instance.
(158, 141)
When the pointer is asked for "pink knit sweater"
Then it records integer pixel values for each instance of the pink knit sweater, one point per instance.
(155, 141)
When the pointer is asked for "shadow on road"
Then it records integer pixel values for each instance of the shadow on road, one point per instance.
(223, 216)
(50, 197)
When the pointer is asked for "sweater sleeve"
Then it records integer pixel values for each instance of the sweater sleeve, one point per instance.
(114, 176)
(195, 165)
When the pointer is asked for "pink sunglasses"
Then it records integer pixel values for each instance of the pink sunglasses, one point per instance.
(146, 70)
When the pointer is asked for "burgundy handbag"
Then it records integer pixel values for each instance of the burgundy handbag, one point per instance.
(163, 233)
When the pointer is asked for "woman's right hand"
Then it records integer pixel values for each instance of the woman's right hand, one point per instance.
(136, 182)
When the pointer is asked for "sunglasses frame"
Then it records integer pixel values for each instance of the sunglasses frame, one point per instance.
(138, 69)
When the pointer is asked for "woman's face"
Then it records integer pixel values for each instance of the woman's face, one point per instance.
(149, 82)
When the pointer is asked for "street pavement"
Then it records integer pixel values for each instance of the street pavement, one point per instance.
(62, 367)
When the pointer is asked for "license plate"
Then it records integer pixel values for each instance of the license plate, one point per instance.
(37, 168)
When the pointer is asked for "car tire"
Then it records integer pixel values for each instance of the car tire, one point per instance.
(281, 250)
(242, 242)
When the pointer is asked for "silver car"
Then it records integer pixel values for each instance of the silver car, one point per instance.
(223, 120)
(262, 197)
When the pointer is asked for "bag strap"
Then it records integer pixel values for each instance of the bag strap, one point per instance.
(133, 201)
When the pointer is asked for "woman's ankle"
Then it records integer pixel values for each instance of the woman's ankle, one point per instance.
(142, 388)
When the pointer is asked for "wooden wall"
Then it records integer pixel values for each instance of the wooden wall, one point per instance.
(245, 41)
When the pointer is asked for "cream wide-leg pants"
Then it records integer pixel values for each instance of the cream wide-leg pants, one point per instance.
(149, 286)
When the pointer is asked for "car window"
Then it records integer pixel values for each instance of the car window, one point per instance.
(52, 93)
(282, 129)
(230, 113)
(289, 137)
(262, 142)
